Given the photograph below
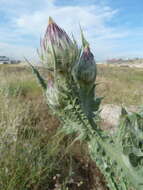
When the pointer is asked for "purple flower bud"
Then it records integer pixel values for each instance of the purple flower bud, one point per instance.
(65, 50)
(85, 70)
(57, 36)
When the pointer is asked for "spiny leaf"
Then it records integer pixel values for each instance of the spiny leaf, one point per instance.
(42, 82)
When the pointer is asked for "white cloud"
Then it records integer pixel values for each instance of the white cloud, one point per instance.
(29, 18)
(90, 17)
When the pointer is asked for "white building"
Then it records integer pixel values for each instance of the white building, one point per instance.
(4, 60)
(7, 60)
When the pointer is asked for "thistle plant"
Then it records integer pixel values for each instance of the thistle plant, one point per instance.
(71, 95)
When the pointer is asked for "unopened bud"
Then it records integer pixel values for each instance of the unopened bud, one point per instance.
(57, 36)
(85, 70)
(65, 49)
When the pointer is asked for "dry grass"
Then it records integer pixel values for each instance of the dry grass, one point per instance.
(24, 116)
(34, 156)
(120, 85)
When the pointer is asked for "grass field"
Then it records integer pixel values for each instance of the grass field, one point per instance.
(33, 155)
(120, 85)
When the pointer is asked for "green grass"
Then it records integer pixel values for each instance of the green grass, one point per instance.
(22, 88)
(18, 81)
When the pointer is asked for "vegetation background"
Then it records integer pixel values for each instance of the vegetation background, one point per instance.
(33, 155)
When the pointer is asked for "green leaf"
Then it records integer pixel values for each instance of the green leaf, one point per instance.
(42, 82)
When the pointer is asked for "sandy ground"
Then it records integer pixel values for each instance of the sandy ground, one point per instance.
(131, 65)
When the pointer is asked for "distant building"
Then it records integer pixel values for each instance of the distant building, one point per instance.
(125, 61)
(115, 61)
(4, 60)
(7, 60)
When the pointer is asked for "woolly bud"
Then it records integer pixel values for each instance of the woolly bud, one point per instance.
(57, 40)
(57, 36)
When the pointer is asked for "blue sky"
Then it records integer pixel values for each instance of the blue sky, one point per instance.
(114, 28)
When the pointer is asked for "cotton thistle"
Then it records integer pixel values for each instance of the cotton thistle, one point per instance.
(57, 48)
(120, 156)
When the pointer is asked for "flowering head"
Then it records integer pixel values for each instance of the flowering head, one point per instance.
(57, 36)
(58, 48)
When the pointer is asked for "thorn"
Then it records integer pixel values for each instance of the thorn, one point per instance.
(85, 43)
(50, 21)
